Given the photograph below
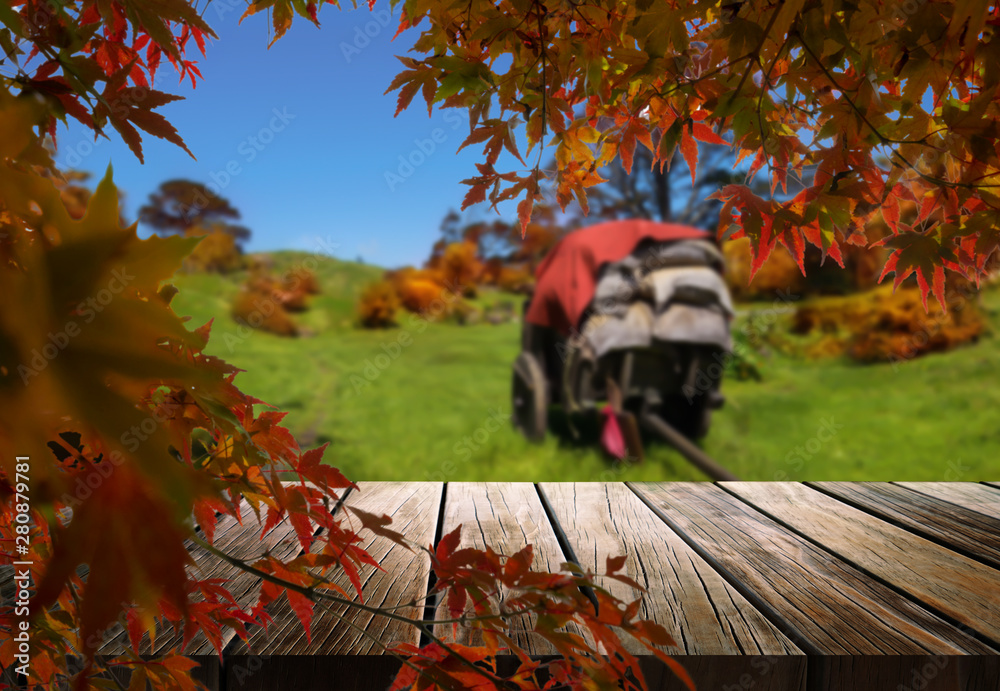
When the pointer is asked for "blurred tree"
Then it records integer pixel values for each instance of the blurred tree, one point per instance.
(459, 267)
(180, 205)
(660, 193)
(499, 243)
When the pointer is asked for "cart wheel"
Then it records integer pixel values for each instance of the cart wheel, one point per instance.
(530, 400)
(578, 375)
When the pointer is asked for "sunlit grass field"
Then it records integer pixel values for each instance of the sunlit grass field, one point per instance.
(429, 401)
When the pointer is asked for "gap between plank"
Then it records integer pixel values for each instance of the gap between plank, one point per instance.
(972, 633)
(930, 537)
(563, 540)
(768, 612)
(430, 605)
(227, 648)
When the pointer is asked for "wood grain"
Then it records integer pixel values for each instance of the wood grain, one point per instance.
(965, 531)
(242, 540)
(730, 672)
(970, 495)
(413, 507)
(830, 604)
(905, 673)
(703, 613)
(926, 672)
(208, 672)
(955, 585)
(505, 516)
(310, 672)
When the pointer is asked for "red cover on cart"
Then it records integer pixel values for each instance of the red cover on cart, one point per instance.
(566, 279)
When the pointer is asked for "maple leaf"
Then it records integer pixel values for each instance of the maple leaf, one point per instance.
(377, 524)
(121, 519)
(127, 107)
(154, 18)
(917, 253)
(498, 134)
(117, 348)
(689, 149)
(420, 76)
(301, 605)
(326, 477)
(635, 130)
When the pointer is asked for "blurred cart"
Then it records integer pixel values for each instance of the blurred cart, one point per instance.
(635, 313)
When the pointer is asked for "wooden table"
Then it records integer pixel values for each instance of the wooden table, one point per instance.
(826, 585)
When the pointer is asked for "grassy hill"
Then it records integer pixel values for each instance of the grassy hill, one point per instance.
(430, 401)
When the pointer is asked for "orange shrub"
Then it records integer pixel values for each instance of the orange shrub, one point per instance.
(419, 294)
(881, 325)
(460, 267)
(400, 277)
(492, 269)
(301, 280)
(295, 300)
(289, 295)
(779, 272)
(862, 267)
(515, 279)
(378, 305)
(217, 252)
(261, 311)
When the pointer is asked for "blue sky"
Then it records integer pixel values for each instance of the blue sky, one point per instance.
(315, 178)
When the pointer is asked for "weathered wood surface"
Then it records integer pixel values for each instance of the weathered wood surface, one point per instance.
(209, 671)
(884, 585)
(506, 516)
(969, 495)
(939, 578)
(731, 673)
(704, 614)
(834, 608)
(955, 527)
(903, 673)
(413, 507)
(310, 672)
(242, 540)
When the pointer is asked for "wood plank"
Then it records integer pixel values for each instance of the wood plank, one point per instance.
(905, 672)
(376, 672)
(978, 672)
(703, 613)
(729, 672)
(280, 541)
(832, 605)
(970, 495)
(310, 672)
(240, 540)
(8, 589)
(964, 531)
(208, 672)
(955, 585)
(506, 516)
(414, 508)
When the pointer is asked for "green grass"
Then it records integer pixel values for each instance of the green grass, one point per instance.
(428, 413)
